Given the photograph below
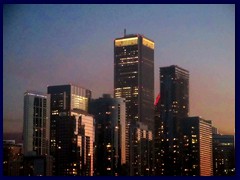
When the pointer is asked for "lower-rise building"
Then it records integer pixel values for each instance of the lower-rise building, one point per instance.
(74, 144)
(12, 158)
(141, 150)
(223, 155)
(37, 166)
(196, 149)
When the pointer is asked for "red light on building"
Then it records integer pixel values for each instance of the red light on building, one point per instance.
(157, 100)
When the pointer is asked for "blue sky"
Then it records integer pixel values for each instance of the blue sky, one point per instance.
(57, 44)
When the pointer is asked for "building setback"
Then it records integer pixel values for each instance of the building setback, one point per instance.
(134, 81)
(110, 142)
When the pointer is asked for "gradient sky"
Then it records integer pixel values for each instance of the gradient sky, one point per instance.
(58, 44)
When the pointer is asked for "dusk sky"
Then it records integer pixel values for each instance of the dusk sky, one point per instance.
(60, 44)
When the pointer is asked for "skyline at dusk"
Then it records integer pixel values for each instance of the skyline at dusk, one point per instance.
(46, 45)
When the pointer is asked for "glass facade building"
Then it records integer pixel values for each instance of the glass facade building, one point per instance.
(36, 124)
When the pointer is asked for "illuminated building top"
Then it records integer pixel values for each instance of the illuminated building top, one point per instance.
(131, 40)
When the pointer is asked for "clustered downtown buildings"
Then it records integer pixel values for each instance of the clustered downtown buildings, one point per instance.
(67, 133)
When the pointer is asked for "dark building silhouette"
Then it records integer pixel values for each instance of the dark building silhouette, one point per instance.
(142, 153)
(37, 165)
(174, 89)
(73, 148)
(160, 143)
(12, 158)
(174, 106)
(72, 130)
(223, 155)
(110, 141)
(134, 81)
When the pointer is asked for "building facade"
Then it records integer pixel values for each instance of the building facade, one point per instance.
(74, 144)
(69, 107)
(173, 107)
(36, 166)
(160, 143)
(196, 148)
(223, 155)
(36, 125)
(12, 158)
(174, 89)
(134, 81)
(110, 142)
(142, 151)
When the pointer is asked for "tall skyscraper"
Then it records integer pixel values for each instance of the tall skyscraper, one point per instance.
(196, 147)
(36, 124)
(174, 106)
(69, 107)
(134, 81)
(174, 89)
(110, 120)
(134, 76)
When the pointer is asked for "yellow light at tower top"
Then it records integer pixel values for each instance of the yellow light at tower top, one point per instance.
(133, 41)
(148, 43)
(126, 42)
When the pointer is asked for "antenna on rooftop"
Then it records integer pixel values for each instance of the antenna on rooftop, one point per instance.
(124, 32)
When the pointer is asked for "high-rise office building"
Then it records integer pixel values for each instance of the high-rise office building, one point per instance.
(134, 81)
(196, 147)
(36, 124)
(174, 89)
(223, 155)
(134, 76)
(110, 120)
(174, 106)
(69, 107)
